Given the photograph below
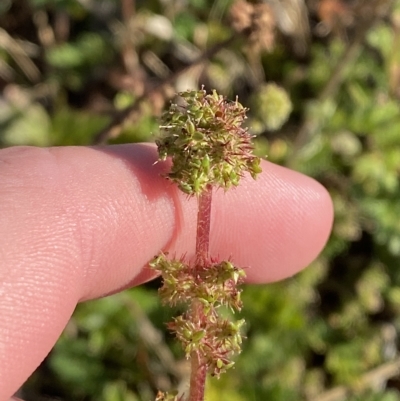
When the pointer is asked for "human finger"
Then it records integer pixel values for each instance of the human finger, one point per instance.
(78, 223)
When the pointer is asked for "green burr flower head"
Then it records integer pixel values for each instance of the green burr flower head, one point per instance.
(206, 141)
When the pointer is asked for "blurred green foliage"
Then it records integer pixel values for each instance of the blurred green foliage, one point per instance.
(67, 67)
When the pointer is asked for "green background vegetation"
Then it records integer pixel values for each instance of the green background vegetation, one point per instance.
(70, 68)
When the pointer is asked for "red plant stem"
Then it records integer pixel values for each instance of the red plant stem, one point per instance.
(203, 227)
(198, 368)
(198, 374)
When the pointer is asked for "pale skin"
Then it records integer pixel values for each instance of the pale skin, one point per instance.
(80, 223)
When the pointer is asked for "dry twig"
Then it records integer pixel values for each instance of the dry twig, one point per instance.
(372, 379)
(117, 124)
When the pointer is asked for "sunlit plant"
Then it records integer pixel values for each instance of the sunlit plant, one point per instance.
(209, 148)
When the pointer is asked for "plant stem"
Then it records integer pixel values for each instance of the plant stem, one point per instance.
(198, 368)
(203, 227)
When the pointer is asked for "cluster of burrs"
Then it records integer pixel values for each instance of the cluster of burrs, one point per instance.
(206, 141)
(209, 148)
(213, 336)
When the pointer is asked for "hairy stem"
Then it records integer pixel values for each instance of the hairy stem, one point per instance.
(203, 227)
(198, 368)
(198, 375)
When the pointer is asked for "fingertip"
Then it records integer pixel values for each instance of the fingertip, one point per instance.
(275, 225)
